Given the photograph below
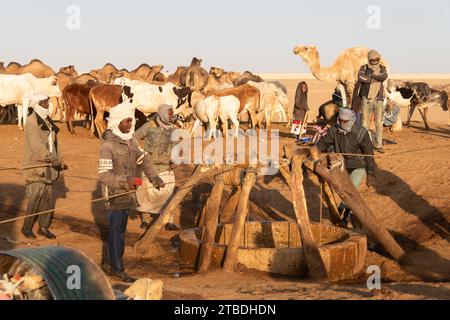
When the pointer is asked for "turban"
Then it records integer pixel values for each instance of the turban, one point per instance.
(119, 113)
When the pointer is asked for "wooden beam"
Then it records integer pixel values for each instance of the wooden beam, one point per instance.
(331, 169)
(239, 222)
(316, 267)
(328, 194)
(286, 175)
(229, 210)
(210, 226)
(200, 172)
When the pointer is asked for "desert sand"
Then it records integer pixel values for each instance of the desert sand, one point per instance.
(411, 200)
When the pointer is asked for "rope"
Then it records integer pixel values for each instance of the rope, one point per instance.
(341, 153)
(133, 191)
(99, 199)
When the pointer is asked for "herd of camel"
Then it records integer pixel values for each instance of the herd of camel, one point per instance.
(343, 72)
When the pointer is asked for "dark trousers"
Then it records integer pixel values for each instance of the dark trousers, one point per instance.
(40, 198)
(117, 220)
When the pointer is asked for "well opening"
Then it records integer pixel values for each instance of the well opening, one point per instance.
(283, 234)
(276, 247)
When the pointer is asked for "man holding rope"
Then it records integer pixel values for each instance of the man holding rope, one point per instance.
(346, 137)
(120, 156)
(41, 152)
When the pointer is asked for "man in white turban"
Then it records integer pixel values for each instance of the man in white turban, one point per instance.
(41, 152)
(120, 162)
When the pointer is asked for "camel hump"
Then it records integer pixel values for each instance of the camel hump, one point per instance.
(36, 61)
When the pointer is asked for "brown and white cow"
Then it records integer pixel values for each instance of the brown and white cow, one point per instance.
(249, 98)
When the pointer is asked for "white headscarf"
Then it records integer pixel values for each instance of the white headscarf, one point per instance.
(163, 117)
(349, 116)
(118, 113)
(34, 103)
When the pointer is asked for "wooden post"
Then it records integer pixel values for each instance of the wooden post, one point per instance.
(340, 181)
(149, 237)
(201, 217)
(316, 267)
(230, 207)
(330, 200)
(210, 226)
(286, 175)
(239, 222)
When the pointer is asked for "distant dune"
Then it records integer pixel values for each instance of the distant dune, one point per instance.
(306, 76)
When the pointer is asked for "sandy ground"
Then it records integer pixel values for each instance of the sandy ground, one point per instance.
(411, 200)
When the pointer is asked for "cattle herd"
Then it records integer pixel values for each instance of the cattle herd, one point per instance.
(198, 97)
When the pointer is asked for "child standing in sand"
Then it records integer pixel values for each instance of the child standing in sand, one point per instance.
(300, 111)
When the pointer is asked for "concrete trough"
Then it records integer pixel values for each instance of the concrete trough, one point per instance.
(276, 247)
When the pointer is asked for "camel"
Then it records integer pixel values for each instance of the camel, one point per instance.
(69, 70)
(155, 75)
(13, 68)
(141, 72)
(66, 75)
(344, 70)
(150, 74)
(215, 83)
(85, 77)
(195, 76)
(36, 67)
(246, 77)
(175, 78)
(104, 74)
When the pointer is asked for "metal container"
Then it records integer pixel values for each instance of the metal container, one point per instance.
(58, 266)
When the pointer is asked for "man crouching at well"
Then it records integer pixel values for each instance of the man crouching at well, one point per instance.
(120, 157)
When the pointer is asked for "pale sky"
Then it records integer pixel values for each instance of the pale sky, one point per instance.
(234, 34)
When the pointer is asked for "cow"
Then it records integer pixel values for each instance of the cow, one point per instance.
(210, 109)
(146, 99)
(18, 89)
(418, 95)
(101, 98)
(249, 98)
(76, 98)
(273, 101)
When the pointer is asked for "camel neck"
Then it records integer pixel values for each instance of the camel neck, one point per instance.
(320, 72)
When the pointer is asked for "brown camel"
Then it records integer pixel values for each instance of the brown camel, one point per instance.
(141, 72)
(175, 78)
(156, 76)
(65, 76)
(217, 82)
(246, 77)
(36, 67)
(84, 78)
(104, 74)
(196, 76)
(344, 71)
(13, 68)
